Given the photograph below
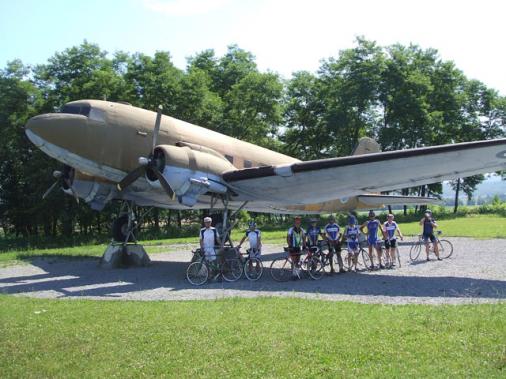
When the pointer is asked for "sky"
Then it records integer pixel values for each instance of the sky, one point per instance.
(285, 36)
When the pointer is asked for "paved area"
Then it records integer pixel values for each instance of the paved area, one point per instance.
(476, 273)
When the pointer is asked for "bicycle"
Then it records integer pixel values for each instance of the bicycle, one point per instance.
(325, 253)
(282, 268)
(201, 269)
(253, 267)
(445, 247)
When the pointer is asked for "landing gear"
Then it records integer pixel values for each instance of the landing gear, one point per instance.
(123, 251)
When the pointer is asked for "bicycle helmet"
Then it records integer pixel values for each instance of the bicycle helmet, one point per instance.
(252, 224)
(371, 213)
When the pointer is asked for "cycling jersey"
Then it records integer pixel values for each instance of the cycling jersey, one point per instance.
(428, 228)
(390, 229)
(372, 231)
(332, 231)
(313, 233)
(253, 236)
(351, 234)
(295, 236)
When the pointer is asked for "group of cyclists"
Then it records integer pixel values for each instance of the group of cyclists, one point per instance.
(300, 240)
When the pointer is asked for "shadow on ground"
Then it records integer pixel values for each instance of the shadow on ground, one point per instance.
(61, 277)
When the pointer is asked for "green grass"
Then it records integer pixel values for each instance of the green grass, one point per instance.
(264, 337)
(475, 226)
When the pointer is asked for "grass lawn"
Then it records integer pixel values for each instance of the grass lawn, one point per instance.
(475, 226)
(263, 337)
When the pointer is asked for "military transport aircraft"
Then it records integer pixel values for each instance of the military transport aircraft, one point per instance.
(117, 151)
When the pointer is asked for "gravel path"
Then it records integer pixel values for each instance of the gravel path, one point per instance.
(476, 273)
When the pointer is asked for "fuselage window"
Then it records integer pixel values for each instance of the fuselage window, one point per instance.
(230, 158)
(97, 115)
(247, 164)
(76, 109)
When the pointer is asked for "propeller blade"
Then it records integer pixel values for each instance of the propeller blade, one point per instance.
(157, 127)
(48, 191)
(164, 183)
(130, 178)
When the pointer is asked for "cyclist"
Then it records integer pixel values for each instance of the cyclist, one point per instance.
(351, 235)
(373, 226)
(389, 229)
(296, 239)
(255, 240)
(313, 233)
(209, 238)
(332, 236)
(429, 224)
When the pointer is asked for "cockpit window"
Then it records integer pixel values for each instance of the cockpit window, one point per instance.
(76, 109)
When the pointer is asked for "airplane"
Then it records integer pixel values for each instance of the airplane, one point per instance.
(117, 151)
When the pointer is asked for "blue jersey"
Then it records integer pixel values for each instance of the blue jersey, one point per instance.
(351, 233)
(313, 234)
(332, 231)
(372, 228)
(428, 228)
(390, 229)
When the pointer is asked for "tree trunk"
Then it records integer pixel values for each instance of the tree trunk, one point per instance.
(457, 190)
(156, 217)
(389, 209)
(179, 219)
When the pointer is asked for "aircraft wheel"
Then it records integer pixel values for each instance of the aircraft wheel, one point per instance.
(120, 229)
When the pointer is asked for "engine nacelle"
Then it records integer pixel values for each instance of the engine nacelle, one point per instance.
(96, 194)
(190, 173)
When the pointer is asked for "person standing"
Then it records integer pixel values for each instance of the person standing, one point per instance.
(313, 233)
(209, 239)
(332, 235)
(390, 227)
(255, 240)
(429, 224)
(296, 240)
(351, 235)
(373, 225)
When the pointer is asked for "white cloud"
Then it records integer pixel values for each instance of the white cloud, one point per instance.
(184, 7)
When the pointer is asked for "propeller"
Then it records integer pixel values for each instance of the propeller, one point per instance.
(152, 164)
(64, 180)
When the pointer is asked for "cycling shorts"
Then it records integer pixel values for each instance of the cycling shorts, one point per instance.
(373, 240)
(390, 243)
(353, 246)
(430, 236)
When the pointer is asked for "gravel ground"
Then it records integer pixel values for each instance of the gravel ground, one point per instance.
(476, 273)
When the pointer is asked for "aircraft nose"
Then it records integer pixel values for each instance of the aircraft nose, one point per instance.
(61, 130)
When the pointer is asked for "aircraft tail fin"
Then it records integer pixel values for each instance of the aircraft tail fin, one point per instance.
(366, 145)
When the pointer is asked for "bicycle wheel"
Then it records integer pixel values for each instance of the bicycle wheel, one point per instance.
(231, 270)
(366, 260)
(415, 250)
(385, 257)
(314, 268)
(253, 269)
(197, 273)
(445, 249)
(281, 269)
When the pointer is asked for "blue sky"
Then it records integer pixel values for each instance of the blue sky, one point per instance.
(285, 36)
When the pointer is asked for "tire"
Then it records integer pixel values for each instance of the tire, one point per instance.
(231, 270)
(314, 268)
(119, 229)
(385, 257)
(253, 269)
(415, 251)
(281, 269)
(197, 273)
(445, 249)
(398, 256)
(366, 261)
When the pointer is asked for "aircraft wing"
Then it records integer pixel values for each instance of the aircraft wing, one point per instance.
(374, 200)
(327, 179)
